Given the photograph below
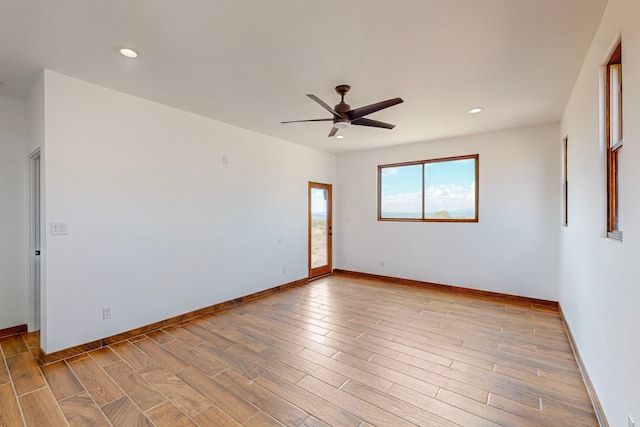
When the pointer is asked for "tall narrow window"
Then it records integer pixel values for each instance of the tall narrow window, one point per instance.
(565, 181)
(614, 143)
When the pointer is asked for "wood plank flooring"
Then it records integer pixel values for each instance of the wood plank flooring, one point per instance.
(340, 351)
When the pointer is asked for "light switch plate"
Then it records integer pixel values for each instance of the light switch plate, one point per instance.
(59, 228)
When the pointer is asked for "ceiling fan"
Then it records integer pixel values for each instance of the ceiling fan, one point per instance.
(343, 115)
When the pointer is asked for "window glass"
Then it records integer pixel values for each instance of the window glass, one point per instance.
(614, 135)
(450, 189)
(401, 192)
(565, 181)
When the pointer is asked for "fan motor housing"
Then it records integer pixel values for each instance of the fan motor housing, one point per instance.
(342, 108)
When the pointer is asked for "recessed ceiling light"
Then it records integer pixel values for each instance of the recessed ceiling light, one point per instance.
(129, 53)
(475, 110)
(339, 136)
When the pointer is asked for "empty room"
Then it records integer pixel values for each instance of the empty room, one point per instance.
(300, 213)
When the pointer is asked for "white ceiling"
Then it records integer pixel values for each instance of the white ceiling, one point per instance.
(251, 62)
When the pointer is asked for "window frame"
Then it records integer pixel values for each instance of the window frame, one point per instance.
(613, 148)
(476, 157)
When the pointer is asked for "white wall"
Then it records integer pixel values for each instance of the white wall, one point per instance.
(35, 117)
(13, 214)
(600, 289)
(158, 224)
(513, 248)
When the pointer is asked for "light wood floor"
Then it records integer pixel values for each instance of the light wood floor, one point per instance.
(339, 351)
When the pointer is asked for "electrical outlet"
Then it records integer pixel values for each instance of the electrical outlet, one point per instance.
(630, 420)
(381, 263)
(106, 313)
(284, 270)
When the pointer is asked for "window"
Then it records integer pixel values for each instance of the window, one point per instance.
(613, 132)
(565, 181)
(438, 190)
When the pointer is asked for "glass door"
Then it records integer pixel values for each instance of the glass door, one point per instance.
(319, 229)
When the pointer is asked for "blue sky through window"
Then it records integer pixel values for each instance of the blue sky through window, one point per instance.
(402, 191)
(450, 187)
(449, 190)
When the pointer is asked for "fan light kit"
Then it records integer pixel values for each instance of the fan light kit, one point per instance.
(129, 53)
(344, 116)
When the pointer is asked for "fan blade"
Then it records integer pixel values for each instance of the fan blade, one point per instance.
(373, 123)
(311, 120)
(324, 104)
(334, 130)
(363, 111)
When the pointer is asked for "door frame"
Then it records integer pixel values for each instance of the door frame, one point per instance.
(326, 269)
(35, 240)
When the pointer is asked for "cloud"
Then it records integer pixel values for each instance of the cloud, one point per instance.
(390, 171)
(472, 192)
(444, 197)
(402, 203)
(449, 197)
